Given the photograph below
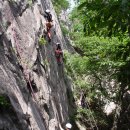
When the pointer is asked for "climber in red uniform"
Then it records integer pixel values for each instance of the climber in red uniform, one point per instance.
(49, 24)
(58, 53)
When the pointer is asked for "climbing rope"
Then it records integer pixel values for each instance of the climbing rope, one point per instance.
(26, 74)
(19, 51)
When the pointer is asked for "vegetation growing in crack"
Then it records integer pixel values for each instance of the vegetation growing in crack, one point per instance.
(30, 2)
(4, 103)
(45, 62)
(42, 41)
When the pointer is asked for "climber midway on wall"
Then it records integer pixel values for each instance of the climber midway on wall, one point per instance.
(49, 24)
(59, 54)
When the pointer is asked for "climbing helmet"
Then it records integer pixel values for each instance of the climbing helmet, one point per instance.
(68, 125)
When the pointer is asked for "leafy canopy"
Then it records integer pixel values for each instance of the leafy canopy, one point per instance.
(100, 35)
(105, 17)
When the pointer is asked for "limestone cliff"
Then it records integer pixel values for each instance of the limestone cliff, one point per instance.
(30, 78)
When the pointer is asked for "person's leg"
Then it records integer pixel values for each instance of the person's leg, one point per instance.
(59, 60)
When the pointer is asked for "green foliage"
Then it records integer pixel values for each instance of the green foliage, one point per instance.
(76, 19)
(30, 2)
(84, 112)
(110, 17)
(60, 5)
(100, 33)
(98, 60)
(4, 102)
(46, 62)
(64, 29)
(101, 55)
(86, 116)
(42, 41)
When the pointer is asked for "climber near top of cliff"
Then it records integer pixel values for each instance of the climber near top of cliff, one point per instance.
(49, 24)
(58, 53)
(48, 15)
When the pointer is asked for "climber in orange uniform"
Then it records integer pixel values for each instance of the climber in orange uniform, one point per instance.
(59, 53)
(49, 24)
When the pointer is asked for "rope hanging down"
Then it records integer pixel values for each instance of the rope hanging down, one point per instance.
(25, 72)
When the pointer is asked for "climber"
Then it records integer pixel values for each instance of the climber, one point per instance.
(68, 126)
(48, 16)
(58, 53)
(49, 24)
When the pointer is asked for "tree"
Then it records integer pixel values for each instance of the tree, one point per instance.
(60, 5)
(104, 52)
(109, 17)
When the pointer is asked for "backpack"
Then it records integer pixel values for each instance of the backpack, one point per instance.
(49, 17)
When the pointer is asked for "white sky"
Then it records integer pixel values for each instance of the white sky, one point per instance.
(72, 4)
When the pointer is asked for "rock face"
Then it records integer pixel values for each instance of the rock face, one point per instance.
(30, 78)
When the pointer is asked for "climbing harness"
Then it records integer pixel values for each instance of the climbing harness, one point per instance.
(58, 54)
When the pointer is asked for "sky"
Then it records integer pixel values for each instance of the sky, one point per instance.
(72, 4)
